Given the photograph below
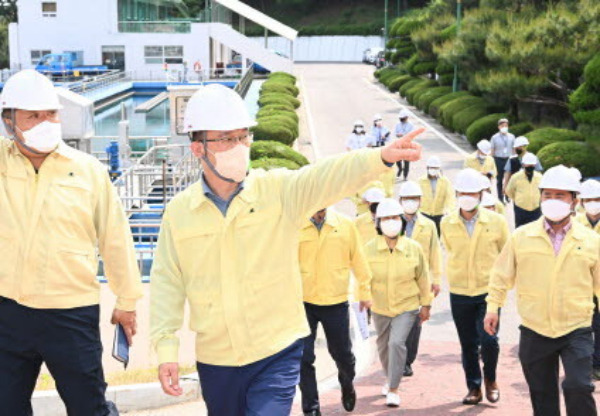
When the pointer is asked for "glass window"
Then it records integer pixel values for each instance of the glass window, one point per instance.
(37, 54)
(49, 9)
(153, 51)
(174, 51)
(163, 54)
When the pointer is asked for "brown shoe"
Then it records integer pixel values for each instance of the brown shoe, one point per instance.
(492, 392)
(474, 397)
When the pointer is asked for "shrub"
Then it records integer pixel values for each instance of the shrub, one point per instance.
(274, 98)
(269, 130)
(571, 153)
(450, 108)
(397, 82)
(591, 133)
(280, 88)
(283, 120)
(435, 105)
(422, 86)
(446, 79)
(484, 128)
(272, 110)
(429, 95)
(424, 67)
(542, 137)
(521, 129)
(268, 149)
(465, 117)
(283, 76)
(409, 84)
(274, 163)
(387, 78)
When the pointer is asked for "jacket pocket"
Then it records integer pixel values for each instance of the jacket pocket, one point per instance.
(72, 271)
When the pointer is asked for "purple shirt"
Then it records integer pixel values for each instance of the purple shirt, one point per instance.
(557, 238)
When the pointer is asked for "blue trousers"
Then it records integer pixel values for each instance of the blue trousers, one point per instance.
(264, 388)
(68, 341)
(468, 313)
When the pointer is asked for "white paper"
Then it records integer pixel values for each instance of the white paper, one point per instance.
(362, 319)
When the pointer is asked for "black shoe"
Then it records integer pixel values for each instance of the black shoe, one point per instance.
(408, 371)
(349, 399)
(313, 413)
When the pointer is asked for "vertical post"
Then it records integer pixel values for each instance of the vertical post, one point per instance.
(398, 7)
(266, 38)
(385, 23)
(458, 13)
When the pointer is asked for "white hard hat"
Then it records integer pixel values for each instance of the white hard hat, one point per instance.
(377, 117)
(560, 177)
(484, 146)
(521, 141)
(529, 159)
(403, 114)
(410, 188)
(468, 180)
(486, 183)
(373, 195)
(590, 189)
(488, 200)
(359, 123)
(29, 90)
(388, 208)
(576, 172)
(216, 107)
(434, 162)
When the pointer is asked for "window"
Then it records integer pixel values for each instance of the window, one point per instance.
(36, 55)
(163, 54)
(49, 8)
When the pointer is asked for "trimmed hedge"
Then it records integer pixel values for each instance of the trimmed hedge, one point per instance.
(398, 81)
(282, 120)
(273, 98)
(465, 117)
(484, 128)
(435, 105)
(521, 129)
(283, 76)
(572, 154)
(275, 150)
(540, 138)
(407, 85)
(271, 110)
(450, 108)
(421, 87)
(273, 163)
(429, 95)
(279, 88)
(269, 130)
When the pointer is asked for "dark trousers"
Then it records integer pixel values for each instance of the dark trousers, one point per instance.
(437, 219)
(500, 164)
(336, 325)
(468, 313)
(68, 341)
(522, 216)
(412, 342)
(596, 328)
(539, 357)
(403, 168)
(266, 387)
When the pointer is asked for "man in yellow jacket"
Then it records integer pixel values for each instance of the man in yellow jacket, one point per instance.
(590, 218)
(554, 263)
(423, 231)
(365, 223)
(523, 189)
(330, 248)
(481, 160)
(228, 245)
(473, 238)
(438, 194)
(58, 209)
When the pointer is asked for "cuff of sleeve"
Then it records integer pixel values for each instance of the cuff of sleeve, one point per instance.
(364, 295)
(167, 351)
(127, 305)
(492, 307)
(436, 280)
(427, 300)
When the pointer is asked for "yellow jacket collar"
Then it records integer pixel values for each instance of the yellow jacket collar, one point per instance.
(382, 244)
(248, 194)
(577, 230)
(484, 216)
(63, 149)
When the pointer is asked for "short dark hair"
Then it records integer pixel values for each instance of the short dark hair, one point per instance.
(196, 136)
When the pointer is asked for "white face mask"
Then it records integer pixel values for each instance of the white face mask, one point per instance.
(391, 228)
(233, 163)
(504, 130)
(433, 172)
(592, 208)
(410, 206)
(555, 210)
(467, 203)
(360, 130)
(44, 137)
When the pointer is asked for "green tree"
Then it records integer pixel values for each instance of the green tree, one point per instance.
(8, 10)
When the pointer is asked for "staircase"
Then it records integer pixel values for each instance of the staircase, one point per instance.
(249, 48)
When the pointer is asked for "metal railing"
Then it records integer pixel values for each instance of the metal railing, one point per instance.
(242, 86)
(182, 75)
(97, 82)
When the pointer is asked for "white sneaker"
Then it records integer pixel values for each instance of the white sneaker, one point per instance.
(392, 400)
(385, 390)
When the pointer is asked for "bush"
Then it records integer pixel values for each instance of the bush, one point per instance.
(446, 79)
(543, 137)
(424, 67)
(275, 150)
(397, 82)
(274, 98)
(429, 95)
(409, 84)
(273, 163)
(422, 86)
(450, 108)
(484, 128)
(591, 133)
(274, 110)
(279, 88)
(282, 120)
(387, 78)
(571, 153)
(284, 76)
(269, 130)
(521, 129)
(435, 105)
(467, 116)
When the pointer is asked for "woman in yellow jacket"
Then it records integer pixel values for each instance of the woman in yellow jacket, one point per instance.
(481, 160)
(401, 292)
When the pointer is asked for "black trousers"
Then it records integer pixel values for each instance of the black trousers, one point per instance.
(412, 342)
(596, 328)
(68, 341)
(403, 168)
(500, 164)
(539, 357)
(336, 325)
(522, 216)
(468, 313)
(437, 219)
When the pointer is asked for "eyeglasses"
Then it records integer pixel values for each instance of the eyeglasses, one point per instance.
(245, 139)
